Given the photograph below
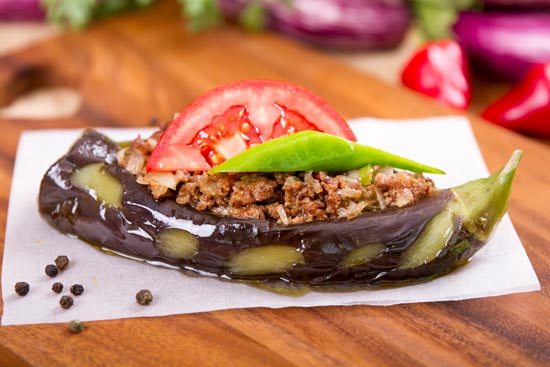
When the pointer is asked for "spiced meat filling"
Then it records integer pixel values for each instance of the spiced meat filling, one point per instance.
(287, 198)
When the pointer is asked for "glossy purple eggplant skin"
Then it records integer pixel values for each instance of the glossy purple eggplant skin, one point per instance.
(131, 228)
(349, 25)
(505, 44)
(517, 4)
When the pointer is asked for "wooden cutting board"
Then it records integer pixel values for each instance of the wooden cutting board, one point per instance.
(143, 64)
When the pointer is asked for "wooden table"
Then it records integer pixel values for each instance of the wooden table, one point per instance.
(143, 64)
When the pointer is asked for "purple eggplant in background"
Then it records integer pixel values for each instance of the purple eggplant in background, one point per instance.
(336, 24)
(21, 10)
(506, 44)
(517, 3)
(344, 24)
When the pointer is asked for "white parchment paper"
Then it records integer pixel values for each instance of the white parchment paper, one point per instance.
(111, 282)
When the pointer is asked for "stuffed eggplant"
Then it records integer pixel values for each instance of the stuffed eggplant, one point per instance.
(306, 208)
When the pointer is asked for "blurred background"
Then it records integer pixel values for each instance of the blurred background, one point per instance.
(488, 57)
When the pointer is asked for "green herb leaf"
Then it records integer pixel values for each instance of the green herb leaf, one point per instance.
(143, 3)
(314, 151)
(79, 13)
(200, 14)
(106, 8)
(436, 17)
(253, 17)
(75, 13)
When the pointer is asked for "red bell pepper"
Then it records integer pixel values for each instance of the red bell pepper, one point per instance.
(525, 108)
(440, 70)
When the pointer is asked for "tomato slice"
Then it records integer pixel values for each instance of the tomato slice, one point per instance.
(289, 123)
(227, 135)
(232, 117)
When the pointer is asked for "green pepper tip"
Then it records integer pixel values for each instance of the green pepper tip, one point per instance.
(435, 171)
(482, 203)
(513, 162)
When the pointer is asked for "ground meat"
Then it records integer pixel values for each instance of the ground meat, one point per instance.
(252, 189)
(401, 188)
(250, 212)
(287, 198)
(204, 191)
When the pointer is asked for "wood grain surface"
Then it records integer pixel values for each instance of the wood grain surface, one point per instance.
(143, 64)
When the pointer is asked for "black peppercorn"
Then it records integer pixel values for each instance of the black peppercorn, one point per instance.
(62, 262)
(51, 271)
(66, 302)
(144, 297)
(77, 289)
(76, 326)
(57, 287)
(22, 288)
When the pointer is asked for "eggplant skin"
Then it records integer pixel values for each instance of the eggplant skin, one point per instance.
(134, 227)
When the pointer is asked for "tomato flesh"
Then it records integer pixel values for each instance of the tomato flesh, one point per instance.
(227, 135)
(233, 132)
(231, 118)
(289, 123)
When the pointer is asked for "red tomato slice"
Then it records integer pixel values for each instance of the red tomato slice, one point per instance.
(291, 122)
(232, 117)
(227, 135)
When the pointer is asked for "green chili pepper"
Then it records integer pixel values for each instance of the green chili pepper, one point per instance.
(315, 151)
